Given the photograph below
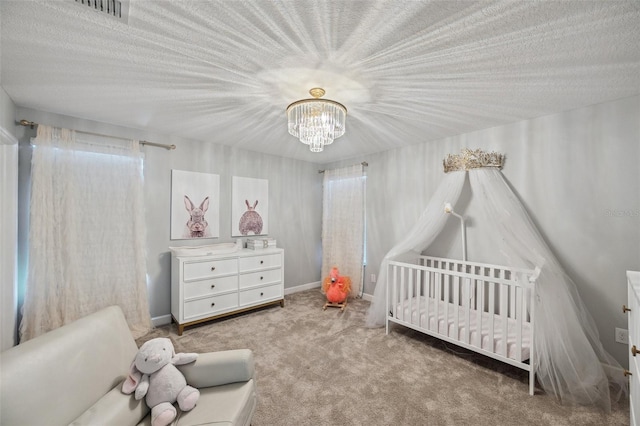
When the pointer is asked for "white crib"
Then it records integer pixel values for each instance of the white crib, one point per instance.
(486, 308)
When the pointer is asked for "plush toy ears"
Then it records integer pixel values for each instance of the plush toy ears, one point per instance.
(132, 381)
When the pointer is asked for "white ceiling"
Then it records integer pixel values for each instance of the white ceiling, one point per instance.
(407, 71)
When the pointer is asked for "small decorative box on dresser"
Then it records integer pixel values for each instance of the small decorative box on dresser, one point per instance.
(208, 287)
(633, 311)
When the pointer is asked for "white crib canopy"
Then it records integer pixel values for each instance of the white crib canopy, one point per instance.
(571, 362)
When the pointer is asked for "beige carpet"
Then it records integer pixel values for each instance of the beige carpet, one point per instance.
(318, 367)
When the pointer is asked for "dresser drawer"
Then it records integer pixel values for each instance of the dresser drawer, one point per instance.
(210, 305)
(210, 287)
(198, 270)
(259, 262)
(260, 277)
(257, 295)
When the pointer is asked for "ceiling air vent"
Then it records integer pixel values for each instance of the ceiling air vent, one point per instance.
(118, 9)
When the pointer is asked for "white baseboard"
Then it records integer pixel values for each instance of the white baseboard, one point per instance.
(318, 284)
(161, 320)
(302, 287)
(166, 319)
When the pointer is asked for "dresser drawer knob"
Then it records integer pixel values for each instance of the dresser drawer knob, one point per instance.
(634, 350)
(627, 373)
(625, 309)
(213, 286)
(261, 278)
(213, 268)
(261, 294)
(261, 262)
(213, 304)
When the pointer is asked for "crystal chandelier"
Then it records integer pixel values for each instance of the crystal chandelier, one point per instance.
(316, 122)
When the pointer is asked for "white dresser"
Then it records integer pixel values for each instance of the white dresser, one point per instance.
(633, 311)
(208, 287)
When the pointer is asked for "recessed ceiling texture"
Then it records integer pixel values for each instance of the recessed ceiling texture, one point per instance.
(407, 71)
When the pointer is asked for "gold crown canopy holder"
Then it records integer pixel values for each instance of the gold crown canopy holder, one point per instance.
(472, 159)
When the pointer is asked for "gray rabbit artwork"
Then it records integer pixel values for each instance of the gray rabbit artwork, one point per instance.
(251, 221)
(197, 226)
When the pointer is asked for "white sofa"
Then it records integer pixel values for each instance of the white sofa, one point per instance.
(74, 374)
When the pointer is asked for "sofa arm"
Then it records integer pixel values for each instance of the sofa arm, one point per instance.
(219, 368)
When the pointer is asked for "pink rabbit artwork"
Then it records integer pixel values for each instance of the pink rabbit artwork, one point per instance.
(251, 221)
(197, 226)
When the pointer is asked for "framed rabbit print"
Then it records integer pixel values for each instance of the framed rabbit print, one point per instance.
(250, 206)
(195, 205)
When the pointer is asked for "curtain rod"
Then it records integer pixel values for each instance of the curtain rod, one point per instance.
(364, 164)
(31, 124)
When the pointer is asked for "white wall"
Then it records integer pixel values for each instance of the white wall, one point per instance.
(295, 199)
(576, 172)
(295, 209)
(8, 222)
(578, 175)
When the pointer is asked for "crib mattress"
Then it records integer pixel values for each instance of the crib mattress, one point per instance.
(447, 326)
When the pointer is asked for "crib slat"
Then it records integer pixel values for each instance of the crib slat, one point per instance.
(423, 278)
(519, 292)
(492, 316)
(480, 311)
(427, 308)
(467, 315)
(410, 295)
(436, 314)
(504, 300)
(512, 300)
(445, 323)
(403, 298)
(456, 306)
(419, 290)
(499, 275)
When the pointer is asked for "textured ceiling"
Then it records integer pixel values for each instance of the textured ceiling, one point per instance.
(407, 71)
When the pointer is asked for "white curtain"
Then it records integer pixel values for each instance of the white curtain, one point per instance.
(571, 361)
(8, 239)
(343, 223)
(86, 231)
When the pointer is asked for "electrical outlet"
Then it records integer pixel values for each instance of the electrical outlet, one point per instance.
(373, 278)
(622, 335)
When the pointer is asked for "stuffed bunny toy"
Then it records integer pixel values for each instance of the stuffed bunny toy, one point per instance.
(153, 374)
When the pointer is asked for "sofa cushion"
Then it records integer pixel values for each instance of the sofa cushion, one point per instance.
(54, 378)
(219, 368)
(115, 408)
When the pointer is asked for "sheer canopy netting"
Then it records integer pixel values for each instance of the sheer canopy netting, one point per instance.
(431, 222)
(571, 362)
